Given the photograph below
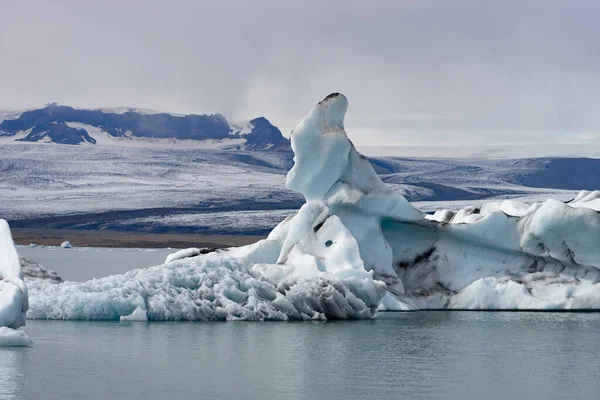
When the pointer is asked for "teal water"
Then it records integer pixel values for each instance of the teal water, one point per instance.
(420, 355)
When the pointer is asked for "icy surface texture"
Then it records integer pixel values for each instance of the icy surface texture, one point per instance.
(14, 337)
(356, 246)
(215, 286)
(504, 255)
(138, 315)
(13, 293)
(187, 253)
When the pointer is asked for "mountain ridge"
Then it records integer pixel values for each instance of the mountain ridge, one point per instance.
(67, 125)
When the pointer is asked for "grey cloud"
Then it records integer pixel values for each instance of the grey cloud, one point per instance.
(415, 71)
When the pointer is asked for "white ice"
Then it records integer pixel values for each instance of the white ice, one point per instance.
(14, 337)
(357, 245)
(13, 293)
(185, 253)
(139, 315)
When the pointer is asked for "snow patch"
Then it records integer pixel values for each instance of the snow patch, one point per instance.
(104, 138)
(9, 139)
(240, 127)
(9, 114)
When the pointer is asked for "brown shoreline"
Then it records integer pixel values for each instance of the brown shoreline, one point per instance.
(85, 238)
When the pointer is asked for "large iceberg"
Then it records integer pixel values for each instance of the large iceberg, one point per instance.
(13, 292)
(357, 246)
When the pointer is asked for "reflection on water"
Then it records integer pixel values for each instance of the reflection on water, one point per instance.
(421, 355)
(12, 377)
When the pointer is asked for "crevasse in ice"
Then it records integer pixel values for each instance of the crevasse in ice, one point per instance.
(356, 246)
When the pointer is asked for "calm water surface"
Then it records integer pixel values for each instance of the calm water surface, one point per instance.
(421, 355)
(84, 263)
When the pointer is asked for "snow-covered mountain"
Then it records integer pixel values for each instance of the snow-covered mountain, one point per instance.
(138, 128)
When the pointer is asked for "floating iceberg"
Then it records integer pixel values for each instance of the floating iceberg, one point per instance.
(13, 293)
(357, 246)
(14, 337)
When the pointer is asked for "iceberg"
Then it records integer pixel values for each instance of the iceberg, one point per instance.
(355, 247)
(13, 292)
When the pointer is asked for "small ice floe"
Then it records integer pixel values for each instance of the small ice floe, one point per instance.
(14, 337)
(138, 315)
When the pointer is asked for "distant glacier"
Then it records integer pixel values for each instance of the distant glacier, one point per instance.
(189, 190)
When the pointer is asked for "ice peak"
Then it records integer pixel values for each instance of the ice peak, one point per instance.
(332, 110)
(321, 148)
(327, 167)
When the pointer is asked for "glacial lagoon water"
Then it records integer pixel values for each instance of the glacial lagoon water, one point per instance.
(419, 355)
(83, 263)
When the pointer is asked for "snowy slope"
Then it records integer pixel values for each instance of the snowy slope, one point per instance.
(357, 246)
(115, 187)
(103, 138)
(9, 114)
(191, 190)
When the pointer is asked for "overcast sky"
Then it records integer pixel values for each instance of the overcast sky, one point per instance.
(415, 72)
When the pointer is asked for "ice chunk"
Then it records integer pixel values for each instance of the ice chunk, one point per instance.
(14, 337)
(66, 245)
(186, 253)
(9, 259)
(587, 199)
(138, 314)
(13, 293)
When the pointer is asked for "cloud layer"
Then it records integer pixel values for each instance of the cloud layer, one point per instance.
(415, 72)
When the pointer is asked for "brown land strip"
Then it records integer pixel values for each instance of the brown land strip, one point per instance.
(83, 238)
